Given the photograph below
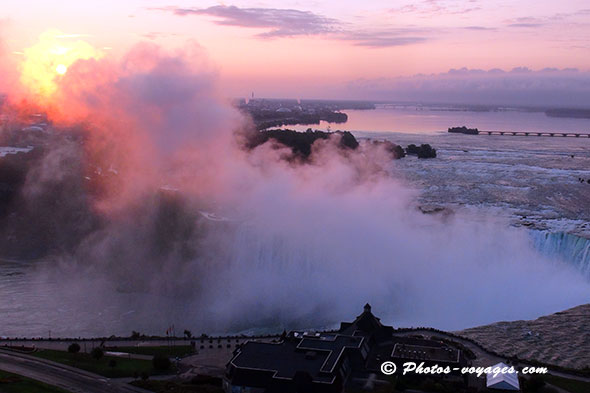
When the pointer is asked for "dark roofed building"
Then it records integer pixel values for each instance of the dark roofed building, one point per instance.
(326, 362)
(299, 363)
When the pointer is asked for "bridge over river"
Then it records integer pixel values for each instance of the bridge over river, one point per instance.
(535, 133)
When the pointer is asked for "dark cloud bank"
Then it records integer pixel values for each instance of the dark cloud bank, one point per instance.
(520, 86)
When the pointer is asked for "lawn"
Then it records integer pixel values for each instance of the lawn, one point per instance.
(169, 351)
(124, 368)
(13, 383)
(178, 387)
(571, 385)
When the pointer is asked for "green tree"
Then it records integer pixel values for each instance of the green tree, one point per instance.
(97, 353)
(74, 348)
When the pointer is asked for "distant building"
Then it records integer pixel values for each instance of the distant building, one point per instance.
(502, 381)
(329, 361)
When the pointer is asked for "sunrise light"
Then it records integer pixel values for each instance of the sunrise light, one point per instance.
(61, 69)
(50, 58)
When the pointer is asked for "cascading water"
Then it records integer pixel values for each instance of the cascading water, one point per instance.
(570, 248)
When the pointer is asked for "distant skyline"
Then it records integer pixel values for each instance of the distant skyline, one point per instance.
(344, 49)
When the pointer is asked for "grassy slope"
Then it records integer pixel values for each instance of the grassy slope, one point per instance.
(176, 387)
(12, 383)
(124, 368)
(571, 385)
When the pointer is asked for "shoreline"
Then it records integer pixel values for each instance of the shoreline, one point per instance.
(514, 346)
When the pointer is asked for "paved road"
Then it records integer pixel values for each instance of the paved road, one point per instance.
(67, 378)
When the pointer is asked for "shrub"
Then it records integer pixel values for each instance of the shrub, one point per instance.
(74, 348)
(97, 353)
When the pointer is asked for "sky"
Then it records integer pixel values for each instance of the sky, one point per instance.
(338, 49)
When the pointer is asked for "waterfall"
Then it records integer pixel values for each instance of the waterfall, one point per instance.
(571, 248)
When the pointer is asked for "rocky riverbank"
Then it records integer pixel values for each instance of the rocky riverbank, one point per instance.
(562, 338)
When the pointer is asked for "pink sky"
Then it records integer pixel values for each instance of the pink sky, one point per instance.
(313, 49)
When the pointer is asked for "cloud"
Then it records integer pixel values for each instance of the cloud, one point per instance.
(526, 25)
(560, 17)
(526, 22)
(519, 86)
(430, 7)
(387, 37)
(479, 28)
(154, 35)
(8, 67)
(565, 15)
(284, 23)
(281, 22)
(72, 35)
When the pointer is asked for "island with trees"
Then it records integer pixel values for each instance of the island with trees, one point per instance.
(301, 143)
(267, 113)
(422, 151)
(464, 130)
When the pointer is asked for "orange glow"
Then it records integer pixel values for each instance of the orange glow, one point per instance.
(61, 69)
(49, 59)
